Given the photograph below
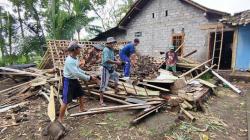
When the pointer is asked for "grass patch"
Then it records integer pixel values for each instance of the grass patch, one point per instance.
(207, 76)
(86, 132)
(117, 124)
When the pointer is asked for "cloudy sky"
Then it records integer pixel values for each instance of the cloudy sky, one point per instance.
(231, 6)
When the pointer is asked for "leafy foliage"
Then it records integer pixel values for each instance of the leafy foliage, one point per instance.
(28, 23)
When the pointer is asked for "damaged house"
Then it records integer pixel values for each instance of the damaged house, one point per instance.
(159, 23)
(241, 24)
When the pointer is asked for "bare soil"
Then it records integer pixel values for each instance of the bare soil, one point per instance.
(224, 119)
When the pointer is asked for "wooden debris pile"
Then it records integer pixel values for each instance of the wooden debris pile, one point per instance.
(152, 90)
(34, 81)
(57, 52)
(146, 67)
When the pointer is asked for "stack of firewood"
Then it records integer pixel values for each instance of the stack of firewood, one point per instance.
(145, 67)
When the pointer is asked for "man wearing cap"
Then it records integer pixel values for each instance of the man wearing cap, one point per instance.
(71, 86)
(171, 59)
(108, 70)
(94, 56)
(126, 53)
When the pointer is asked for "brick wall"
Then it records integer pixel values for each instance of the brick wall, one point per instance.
(157, 32)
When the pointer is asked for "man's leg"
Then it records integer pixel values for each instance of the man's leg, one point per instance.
(62, 112)
(66, 97)
(81, 104)
(167, 67)
(114, 76)
(127, 69)
(104, 84)
(174, 68)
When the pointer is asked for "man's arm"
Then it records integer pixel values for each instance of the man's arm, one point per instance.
(77, 72)
(113, 62)
(107, 59)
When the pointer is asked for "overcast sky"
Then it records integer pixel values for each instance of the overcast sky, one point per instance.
(231, 6)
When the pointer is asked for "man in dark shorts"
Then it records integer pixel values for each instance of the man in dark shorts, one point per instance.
(71, 86)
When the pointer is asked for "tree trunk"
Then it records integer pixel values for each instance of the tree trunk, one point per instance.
(20, 20)
(1, 36)
(10, 34)
(78, 34)
(39, 26)
(53, 18)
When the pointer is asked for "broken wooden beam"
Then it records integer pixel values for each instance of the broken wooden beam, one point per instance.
(225, 81)
(15, 87)
(180, 47)
(189, 54)
(132, 106)
(108, 109)
(110, 98)
(19, 71)
(144, 114)
(155, 87)
(208, 84)
(190, 116)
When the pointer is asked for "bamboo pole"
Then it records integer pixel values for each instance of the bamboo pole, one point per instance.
(226, 82)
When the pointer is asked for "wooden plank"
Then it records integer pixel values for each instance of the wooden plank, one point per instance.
(234, 49)
(19, 71)
(156, 87)
(180, 46)
(140, 91)
(206, 83)
(186, 65)
(142, 105)
(154, 109)
(214, 47)
(17, 86)
(106, 109)
(193, 69)
(221, 43)
(190, 116)
(51, 105)
(189, 54)
(211, 26)
(226, 82)
(159, 81)
(111, 98)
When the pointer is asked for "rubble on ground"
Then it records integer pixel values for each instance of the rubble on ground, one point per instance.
(151, 90)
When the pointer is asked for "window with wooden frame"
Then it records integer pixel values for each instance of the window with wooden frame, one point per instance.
(177, 40)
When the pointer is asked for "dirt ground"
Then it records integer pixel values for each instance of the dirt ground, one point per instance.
(224, 119)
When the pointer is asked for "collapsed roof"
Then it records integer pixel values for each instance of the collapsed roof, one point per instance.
(242, 18)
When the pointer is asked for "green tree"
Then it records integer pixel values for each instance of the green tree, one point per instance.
(112, 12)
(67, 17)
(18, 8)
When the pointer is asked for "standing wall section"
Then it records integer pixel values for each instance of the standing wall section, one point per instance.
(243, 48)
(157, 31)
